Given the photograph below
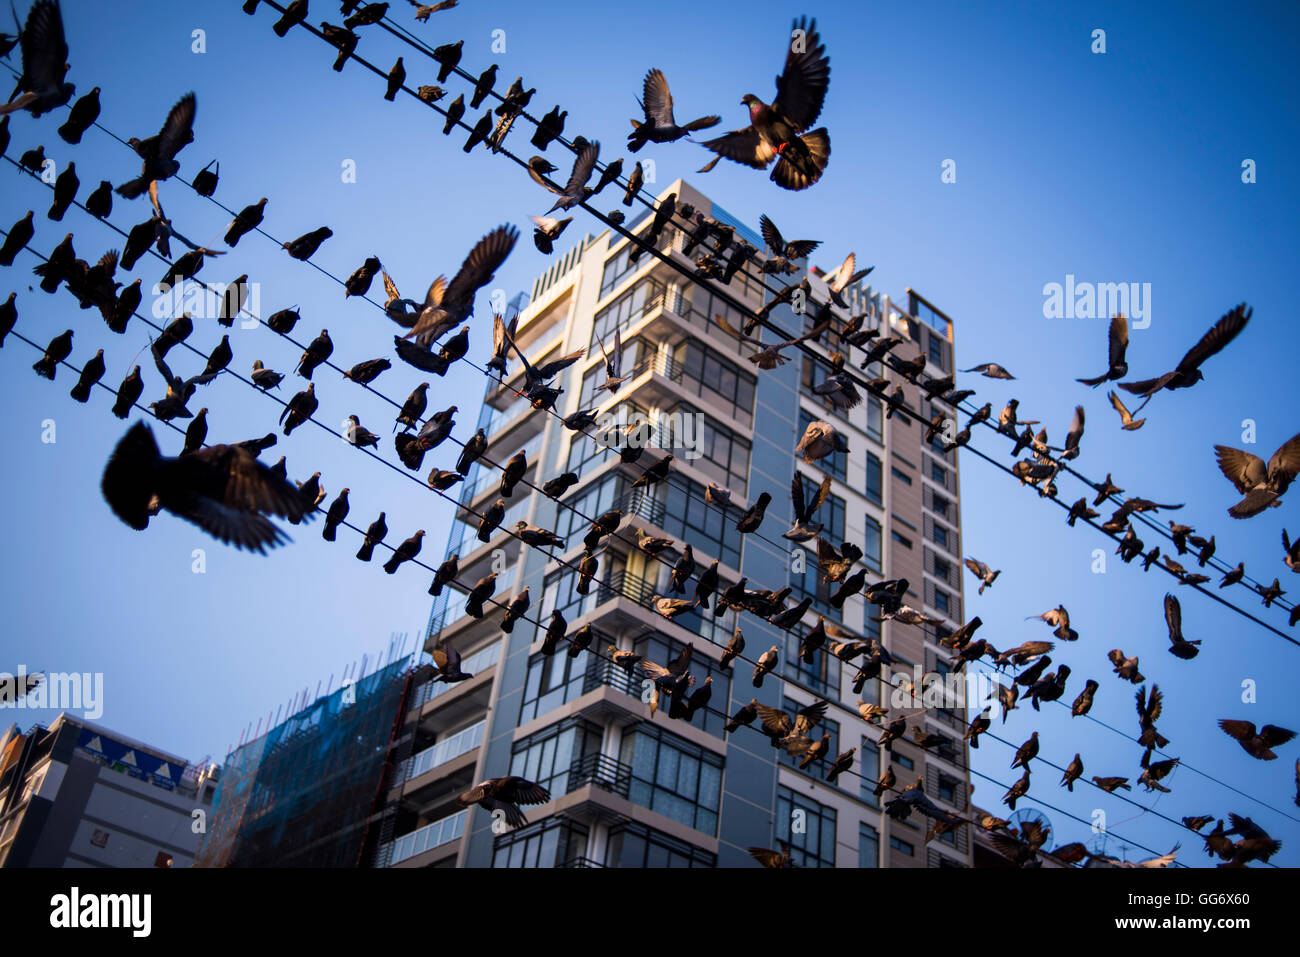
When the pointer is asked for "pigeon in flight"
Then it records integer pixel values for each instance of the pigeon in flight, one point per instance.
(222, 489)
(159, 151)
(774, 131)
(804, 528)
(505, 795)
(1258, 744)
(576, 190)
(986, 575)
(1127, 422)
(990, 370)
(1179, 646)
(1118, 344)
(660, 126)
(1188, 372)
(41, 88)
(447, 305)
(1262, 485)
(784, 252)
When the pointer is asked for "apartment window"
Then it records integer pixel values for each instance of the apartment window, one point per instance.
(724, 455)
(638, 846)
(550, 756)
(708, 530)
(936, 350)
(822, 676)
(901, 539)
(834, 464)
(941, 600)
(826, 726)
(662, 649)
(710, 372)
(900, 475)
(634, 353)
(875, 481)
(875, 420)
(939, 504)
(903, 761)
(947, 789)
(621, 265)
(624, 311)
(868, 846)
(902, 846)
(815, 846)
(942, 567)
(869, 767)
(673, 777)
(584, 446)
(552, 680)
(554, 842)
(941, 536)
(939, 474)
(592, 501)
(871, 545)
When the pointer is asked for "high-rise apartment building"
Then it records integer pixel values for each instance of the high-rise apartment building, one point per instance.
(628, 789)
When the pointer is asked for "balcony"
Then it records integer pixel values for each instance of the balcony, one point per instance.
(601, 771)
(580, 862)
(433, 835)
(475, 664)
(462, 742)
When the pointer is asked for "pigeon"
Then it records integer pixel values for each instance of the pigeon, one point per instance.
(1188, 371)
(1149, 708)
(305, 246)
(820, 439)
(777, 131)
(158, 152)
(1111, 784)
(335, 515)
(764, 665)
(65, 191)
(753, 517)
(776, 860)
(1117, 368)
(18, 236)
(1153, 772)
(547, 231)
(1262, 485)
(406, 551)
(849, 275)
(1026, 752)
(770, 357)
(294, 14)
(1291, 548)
(222, 489)
(834, 563)
(447, 305)
(1180, 647)
(299, 409)
(1073, 771)
(245, 221)
(784, 252)
(40, 87)
(990, 370)
(804, 528)
(205, 180)
(91, 373)
(660, 126)
(1059, 619)
(1126, 668)
(576, 190)
(981, 571)
(1017, 791)
(503, 796)
(1258, 744)
(358, 435)
(57, 351)
(718, 496)
(1127, 422)
(550, 127)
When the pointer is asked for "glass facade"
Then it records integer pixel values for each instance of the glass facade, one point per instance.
(812, 842)
(673, 777)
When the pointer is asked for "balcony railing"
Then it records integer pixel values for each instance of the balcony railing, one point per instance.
(459, 743)
(439, 832)
(479, 661)
(604, 673)
(580, 862)
(602, 771)
(621, 584)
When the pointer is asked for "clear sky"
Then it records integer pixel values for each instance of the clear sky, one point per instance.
(1117, 167)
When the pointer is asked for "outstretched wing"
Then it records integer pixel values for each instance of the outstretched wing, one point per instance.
(1118, 340)
(179, 128)
(482, 262)
(1235, 463)
(744, 146)
(45, 49)
(801, 87)
(1174, 618)
(771, 235)
(1220, 334)
(656, 100)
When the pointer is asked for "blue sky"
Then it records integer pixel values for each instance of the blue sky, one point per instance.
(1124, 166)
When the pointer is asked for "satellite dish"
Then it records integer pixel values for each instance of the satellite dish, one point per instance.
(1024, 815)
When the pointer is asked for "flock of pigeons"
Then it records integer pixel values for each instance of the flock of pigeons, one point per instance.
(227, 491)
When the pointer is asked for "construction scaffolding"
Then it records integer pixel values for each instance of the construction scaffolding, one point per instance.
(310, 792)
